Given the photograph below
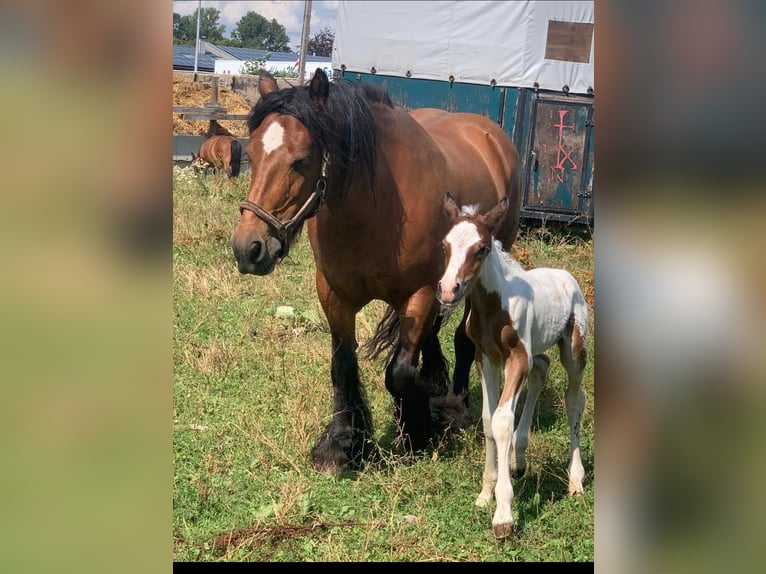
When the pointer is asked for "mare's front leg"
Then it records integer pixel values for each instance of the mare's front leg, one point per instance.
(464, 357)
(412, 394)
(348, 440)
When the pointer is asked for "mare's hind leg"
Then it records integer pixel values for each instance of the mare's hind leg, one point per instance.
(573, 357)
(535, 383)
(348, 440)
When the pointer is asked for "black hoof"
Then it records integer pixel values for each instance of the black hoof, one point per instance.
(336, 454)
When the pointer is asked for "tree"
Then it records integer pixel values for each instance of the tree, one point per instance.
(253, 67)
(255, 31)
(176, 26)
(320, 44)
(185, 27)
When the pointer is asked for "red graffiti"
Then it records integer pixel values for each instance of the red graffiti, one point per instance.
(563, 155)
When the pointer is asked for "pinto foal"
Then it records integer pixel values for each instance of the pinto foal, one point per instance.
(516, 315)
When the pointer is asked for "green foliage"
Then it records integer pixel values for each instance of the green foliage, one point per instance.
(255, 31)
(254, 66)
(252, 393)
(185, 27)
(321, 43)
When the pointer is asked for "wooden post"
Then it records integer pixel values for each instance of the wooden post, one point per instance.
(214, 91)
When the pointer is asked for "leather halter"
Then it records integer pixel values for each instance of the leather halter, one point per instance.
(307, 210)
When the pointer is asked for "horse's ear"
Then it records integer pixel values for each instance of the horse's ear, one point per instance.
(495, 215)
(266, 83)
(450, 207)
(319, 88)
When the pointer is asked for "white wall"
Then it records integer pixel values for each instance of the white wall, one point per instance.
(234, 67)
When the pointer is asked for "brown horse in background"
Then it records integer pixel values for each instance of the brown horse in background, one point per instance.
(221, 152)
(368, 177)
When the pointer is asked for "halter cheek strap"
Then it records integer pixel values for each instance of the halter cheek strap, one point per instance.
(307, 210)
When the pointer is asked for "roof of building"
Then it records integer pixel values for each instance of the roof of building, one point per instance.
(183, 57)
(251, 54)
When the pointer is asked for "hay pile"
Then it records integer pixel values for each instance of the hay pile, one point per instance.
(188, 93)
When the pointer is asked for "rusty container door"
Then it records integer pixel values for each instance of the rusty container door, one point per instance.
(559, 174)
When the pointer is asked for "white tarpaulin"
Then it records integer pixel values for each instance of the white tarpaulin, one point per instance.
(474, 42)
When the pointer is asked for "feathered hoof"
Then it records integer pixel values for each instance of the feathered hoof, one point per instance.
(449, 411)
(518, 471)
(332, 468)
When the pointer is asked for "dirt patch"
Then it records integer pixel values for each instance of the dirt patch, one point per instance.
(188, 93)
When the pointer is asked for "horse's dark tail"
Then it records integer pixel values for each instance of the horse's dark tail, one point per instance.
(384, 338)
(236, 157)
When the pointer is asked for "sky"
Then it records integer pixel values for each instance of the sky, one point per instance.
(289, 13)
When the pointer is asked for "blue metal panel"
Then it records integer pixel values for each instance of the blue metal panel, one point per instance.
(516, 110)
(558, 158)
(452, 97)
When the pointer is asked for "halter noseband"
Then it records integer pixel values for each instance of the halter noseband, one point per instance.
(307, 210)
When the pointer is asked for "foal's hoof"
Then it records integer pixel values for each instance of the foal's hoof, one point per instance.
(503, 531)
(575, 489)
(482, 500)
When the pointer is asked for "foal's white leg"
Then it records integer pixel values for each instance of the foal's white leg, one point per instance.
(490, 392)
(517, 367)
(536, 381)
(573, 358)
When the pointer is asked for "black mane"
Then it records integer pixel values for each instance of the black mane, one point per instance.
(345, 128)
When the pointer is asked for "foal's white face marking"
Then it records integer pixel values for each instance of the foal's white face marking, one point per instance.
(460, 238)
(273, 137)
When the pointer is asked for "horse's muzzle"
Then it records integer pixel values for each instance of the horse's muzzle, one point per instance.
(450, 298)
(257, 256)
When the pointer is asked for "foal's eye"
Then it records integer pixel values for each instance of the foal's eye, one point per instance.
(483, 251)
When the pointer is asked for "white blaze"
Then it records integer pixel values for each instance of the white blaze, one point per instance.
(273, 138)
(460, 238)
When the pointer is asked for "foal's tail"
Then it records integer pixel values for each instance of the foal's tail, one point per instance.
(236, 157)
(384, 338)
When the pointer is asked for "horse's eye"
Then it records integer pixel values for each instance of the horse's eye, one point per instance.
(483, 251)
(301, 163)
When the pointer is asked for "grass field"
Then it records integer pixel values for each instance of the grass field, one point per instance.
(252, 393)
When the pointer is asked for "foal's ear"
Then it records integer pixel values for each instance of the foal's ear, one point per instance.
(495, 215)
(319, 88)
(450, 207)
(266, 83)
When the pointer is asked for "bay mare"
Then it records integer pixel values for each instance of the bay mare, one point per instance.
(367, 177)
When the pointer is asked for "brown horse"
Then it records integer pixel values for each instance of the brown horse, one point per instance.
(369, 177)
(220, 152)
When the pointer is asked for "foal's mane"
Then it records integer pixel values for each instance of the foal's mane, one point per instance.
(506, 255)
(344, 128)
